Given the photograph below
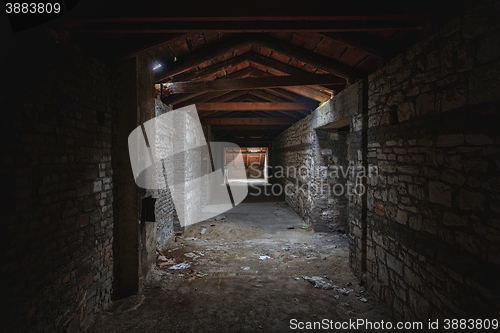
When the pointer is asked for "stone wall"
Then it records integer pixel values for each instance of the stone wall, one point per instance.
(57, 229)
(433, 224)
(311, 161)
(425, 236)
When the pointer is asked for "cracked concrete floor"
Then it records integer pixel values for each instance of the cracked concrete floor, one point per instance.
(230, 288)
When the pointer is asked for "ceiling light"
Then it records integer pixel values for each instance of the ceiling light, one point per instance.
(158, 65)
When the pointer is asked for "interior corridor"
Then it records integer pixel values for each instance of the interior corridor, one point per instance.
(246, 275)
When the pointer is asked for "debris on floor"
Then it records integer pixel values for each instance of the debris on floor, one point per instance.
(182, 265)
(194, 255)
(200, 274)
(245, 268)
(264, 257)
(318, 282)
(167, 262)
(203, 230)
(362, 299)
(291, 228)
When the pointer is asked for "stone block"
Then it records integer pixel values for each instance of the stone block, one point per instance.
(394, 264)
(450, 140)
(405, 111)
(440, 193)
(97, 186)
(478, 139)
(468, 200)
(401, 216)
(451, 219)
(451, 176)
(416, 191)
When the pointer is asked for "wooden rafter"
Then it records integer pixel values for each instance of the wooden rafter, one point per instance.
(277, 128)
(246, 121)
(206, 54)
(218, 67)
(232, 24)
(252, 106)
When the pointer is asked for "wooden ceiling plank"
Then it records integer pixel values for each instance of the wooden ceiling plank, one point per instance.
(309, 57)
(355, 45)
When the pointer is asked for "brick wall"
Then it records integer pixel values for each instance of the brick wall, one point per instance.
(57, 230)
(166, 216)
(433, 226)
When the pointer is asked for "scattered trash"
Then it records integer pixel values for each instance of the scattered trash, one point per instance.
(336, 296)
(178, 234)
(182, 265)
(264, 257)
(318, 282)
(220, 217)
(258, 285)
(194, 255)
(164, 261)
(245, 268)
(362, 299)
(200, 274)
(212, 225)
(203, 230)
(190, 255)
(297, 278)
(297, 300)
(304, 227)
(291, 228)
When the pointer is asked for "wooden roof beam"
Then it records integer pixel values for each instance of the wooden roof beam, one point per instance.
(218, 67)
(246, 121)
(162, 25)
(206, 54)
(251, 83)
(253, 106)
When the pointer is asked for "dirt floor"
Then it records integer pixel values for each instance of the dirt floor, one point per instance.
(246, 274)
